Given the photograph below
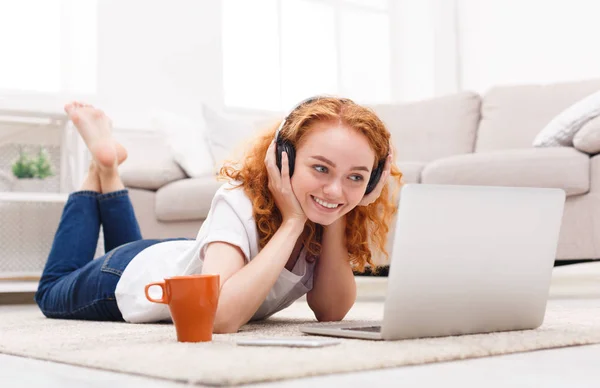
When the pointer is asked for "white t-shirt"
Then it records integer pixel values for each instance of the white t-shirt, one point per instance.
(229, 220)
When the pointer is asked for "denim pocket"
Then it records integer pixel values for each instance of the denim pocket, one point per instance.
(116, 264)
(119, 258)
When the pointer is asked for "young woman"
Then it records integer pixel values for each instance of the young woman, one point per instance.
(296, 216)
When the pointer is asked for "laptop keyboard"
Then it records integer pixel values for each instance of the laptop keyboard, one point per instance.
(371, 329)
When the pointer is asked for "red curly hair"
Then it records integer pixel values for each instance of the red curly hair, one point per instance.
(366, 226)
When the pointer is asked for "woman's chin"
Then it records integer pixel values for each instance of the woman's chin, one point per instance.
(323, 219)
(323, 223)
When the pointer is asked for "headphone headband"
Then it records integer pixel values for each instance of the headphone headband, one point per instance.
(301, 103)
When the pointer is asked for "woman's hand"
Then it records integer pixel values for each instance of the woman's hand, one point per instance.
(373, 195)
(281, 187)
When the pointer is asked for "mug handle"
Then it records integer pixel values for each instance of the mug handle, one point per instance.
(164, 293)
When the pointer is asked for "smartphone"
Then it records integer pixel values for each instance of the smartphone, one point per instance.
(294, 342)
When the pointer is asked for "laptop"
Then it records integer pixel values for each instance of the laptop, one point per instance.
(465, 260)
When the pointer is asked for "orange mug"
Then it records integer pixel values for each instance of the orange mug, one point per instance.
(192, 301)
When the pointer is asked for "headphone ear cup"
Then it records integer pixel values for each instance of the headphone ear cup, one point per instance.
(284, 145)
(375, 176)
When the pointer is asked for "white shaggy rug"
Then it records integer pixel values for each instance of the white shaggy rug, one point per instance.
(152, 350)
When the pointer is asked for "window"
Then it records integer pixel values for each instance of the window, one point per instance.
(48, 46)
(277, 52)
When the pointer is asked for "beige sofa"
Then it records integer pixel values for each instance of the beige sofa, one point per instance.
(463, 138)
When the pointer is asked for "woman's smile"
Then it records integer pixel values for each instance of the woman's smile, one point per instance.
(325, 206)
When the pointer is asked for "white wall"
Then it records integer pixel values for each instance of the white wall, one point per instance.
(425, 61)
(413, 50)
(158, 54)
(527, 41)
(166, 54)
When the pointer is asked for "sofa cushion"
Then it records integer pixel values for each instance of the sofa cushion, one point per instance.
(587, 138)
(557, 167)
(512, 116)
(187, 140)
(411, 171)
(561, 130)
(434, 128)
(150, 164)
(186, 199)
(229, 134)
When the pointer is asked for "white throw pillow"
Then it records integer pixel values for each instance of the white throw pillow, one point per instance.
(561, 130)
(187, 140)
(587, 138)
(229, 134)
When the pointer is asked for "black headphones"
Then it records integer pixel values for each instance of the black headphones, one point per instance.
(282, 144)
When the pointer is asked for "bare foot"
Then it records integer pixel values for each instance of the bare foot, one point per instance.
(121, 152)
(96, 130)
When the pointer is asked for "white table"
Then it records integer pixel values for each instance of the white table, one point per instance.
(33, 197)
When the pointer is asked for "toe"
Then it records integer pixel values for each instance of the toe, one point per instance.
(70, 108)
(75, 117)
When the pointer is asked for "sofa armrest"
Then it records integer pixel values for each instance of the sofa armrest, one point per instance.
(595, 174)
(150, 164)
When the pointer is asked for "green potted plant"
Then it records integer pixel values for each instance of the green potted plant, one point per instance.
(23, 167)
(43, 167)
(30, 171)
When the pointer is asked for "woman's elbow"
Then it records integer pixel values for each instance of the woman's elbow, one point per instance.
(225, 327)
(227, 323)
(330, 313)
(330, 316)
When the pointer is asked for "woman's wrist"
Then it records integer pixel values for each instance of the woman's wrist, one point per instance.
(294, 225)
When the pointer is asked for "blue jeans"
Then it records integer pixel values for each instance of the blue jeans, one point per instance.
(74, 285)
